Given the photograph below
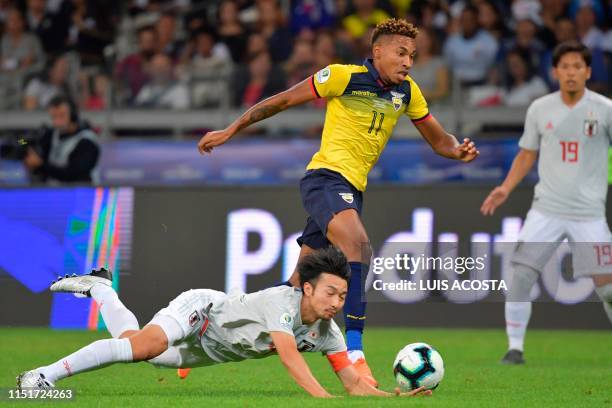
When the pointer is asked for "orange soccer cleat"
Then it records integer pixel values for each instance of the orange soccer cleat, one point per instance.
(183, 372)
(362, 368)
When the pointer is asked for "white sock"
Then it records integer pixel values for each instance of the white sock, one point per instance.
(117, 317)
(517, 318)
(605, 294)
(355, 355)
(518, 305)
(96, 355)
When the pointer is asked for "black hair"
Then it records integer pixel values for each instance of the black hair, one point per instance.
(328, 260)
(571, 46)
(61, 99)
(394, 26)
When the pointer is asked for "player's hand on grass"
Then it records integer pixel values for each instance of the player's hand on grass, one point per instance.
(419, 392)
(495, 198)
(466, 151)
(213, 139)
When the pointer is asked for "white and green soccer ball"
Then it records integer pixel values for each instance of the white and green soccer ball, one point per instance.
(418, 365)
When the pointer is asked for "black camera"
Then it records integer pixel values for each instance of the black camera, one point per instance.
(17, 149)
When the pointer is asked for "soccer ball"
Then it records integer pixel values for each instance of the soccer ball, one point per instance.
(418, 365)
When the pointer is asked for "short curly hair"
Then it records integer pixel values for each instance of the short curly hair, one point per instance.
(397, 26)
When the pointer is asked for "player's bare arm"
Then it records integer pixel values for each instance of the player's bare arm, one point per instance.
(521, 166)
(296, 95)
(294, 363)
(445, 144)
(355, 385)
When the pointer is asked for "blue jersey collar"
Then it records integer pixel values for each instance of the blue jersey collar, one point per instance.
(369, 64)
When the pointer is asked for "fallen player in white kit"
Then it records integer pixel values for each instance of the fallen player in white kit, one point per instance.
(204, 327)
(572, 130)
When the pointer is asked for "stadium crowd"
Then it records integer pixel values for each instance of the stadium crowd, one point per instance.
(180, 54)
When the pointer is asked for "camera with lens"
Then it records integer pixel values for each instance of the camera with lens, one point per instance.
(17, 149)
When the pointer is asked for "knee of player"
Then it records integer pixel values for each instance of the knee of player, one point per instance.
(148, 344)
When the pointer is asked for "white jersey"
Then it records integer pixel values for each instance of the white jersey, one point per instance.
(573, 160)
(239, 326)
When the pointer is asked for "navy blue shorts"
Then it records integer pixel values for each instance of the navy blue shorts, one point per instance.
(324, 194)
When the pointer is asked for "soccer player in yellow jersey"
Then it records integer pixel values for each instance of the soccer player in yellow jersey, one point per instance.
(364, 103)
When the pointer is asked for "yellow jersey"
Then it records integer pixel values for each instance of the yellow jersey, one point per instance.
(361, 114)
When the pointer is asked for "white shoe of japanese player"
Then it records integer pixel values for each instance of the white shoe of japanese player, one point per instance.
(33, 380)
(81, 285)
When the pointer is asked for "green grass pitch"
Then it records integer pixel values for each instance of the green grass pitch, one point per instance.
(564, 368)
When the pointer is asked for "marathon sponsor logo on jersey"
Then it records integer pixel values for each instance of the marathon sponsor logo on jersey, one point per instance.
(323, 75)
(348, 197)
(363, 93)
(286, 320)
(194, 318)
(397, 99)
(590, 127)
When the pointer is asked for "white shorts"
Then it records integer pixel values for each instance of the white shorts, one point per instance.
(541, 235)
(182, 321)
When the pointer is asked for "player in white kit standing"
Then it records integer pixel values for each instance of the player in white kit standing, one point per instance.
(572, 130)
(204, 327)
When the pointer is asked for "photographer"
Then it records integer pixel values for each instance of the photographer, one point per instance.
(66, 152)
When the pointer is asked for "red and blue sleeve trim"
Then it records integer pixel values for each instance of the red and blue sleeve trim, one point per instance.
(423, 119)
(313, 87)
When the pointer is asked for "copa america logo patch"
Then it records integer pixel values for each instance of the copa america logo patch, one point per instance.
(397, 99)
(348, 197)
(323, 75)
(590, 127)
(286, 320)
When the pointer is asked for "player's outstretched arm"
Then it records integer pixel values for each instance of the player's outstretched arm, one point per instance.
(296, 365)
(355, 385)
(296, 95)
(522, 164)
(446, 144)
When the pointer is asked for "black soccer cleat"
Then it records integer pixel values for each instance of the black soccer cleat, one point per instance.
(81, 285)
(514, 357)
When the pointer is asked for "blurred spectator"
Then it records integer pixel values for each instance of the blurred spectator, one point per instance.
(551, 11)
(366, 15)
(130, 73)
(206, 65)
(490, 19)
(431, 15)
(51, 29)
(94, 92)
(522, 84)
(324, 50)
(166, 35)
(588, 33)
(429, 70)
(271, 26)
(230, 31)
(21, 50)
(51, 83)
(163, 90)
(91, 30)
(598, 7)
(260, 80)
(471, 52)
(527, 9)
(312, 14)
(68, 152)
(21, 55)
(565, 30)
(256, 44)
(301, 63)
(526, 40)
